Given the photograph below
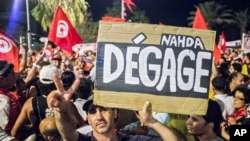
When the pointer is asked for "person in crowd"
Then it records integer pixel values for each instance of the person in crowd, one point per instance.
(225, 101)
(241, 101)
(56, 61)
(79, 68)
(34, 109)
(101, 119)
(235, 67)
(10, 106)
(240, 115)
(234, 80)
(83, 92)
(47, 128)
(206, 127)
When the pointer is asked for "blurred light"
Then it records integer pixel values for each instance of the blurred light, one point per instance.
(14, 16)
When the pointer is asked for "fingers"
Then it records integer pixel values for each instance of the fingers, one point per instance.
(52, 99)
(147, 107)
(58, 83)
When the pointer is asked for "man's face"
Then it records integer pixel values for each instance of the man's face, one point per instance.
(239, 80)
(196, 125)
(56, 63)
(101, 119)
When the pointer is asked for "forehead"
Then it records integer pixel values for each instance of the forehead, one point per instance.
(197, 117)
(238, 93)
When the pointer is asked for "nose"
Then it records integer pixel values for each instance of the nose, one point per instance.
(99, 114)
(188, 121)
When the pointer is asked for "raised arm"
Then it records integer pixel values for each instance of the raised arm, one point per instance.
(59, 102)
(147, 119)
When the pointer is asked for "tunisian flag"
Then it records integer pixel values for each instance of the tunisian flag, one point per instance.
(8, 50)
(223, 42)
(62, 33)
(199, 21)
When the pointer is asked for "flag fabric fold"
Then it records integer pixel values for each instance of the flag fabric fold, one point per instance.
(199, 22)
(9, 50)
(62, 32)
(222, 42)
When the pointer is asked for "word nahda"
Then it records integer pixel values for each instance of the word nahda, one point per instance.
(183, 41)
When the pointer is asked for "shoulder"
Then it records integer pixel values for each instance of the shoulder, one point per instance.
(127, 137)
(82, 137)
(4, 101)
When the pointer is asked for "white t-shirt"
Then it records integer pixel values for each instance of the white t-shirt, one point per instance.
(226, 103)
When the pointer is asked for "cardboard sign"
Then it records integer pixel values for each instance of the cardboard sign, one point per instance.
(168, 66)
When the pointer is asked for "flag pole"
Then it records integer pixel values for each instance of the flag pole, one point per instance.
(122, 9)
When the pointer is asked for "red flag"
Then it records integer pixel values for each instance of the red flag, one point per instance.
(62, 33)
(199, 21)
(217, 54)
(223, 42)
(129, 4)
(8, 50)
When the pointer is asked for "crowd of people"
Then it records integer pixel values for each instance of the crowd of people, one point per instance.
(51, 99)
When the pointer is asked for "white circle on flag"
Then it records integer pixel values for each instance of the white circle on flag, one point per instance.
(5, 46)
(62, 29)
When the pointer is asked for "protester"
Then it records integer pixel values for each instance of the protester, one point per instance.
(225, 101)
(48, 129)
(206, 128)
(9, 105)
(234, 80)
(101, 119)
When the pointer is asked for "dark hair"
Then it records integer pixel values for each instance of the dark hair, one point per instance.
(219, 83)
(237, 67)
(85, 88)
(45, 89)
(232, 76)
(67, 77)
(245, 91)
(5, 68)
(214, 114)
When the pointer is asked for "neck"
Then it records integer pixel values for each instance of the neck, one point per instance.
(231, 87)
(217, 92)
(208, 137)
(110, 136)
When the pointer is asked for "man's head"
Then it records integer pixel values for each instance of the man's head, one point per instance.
(219, 83)
(48, 129)
(85, 88)
(56, 61)
(45, 83)
(7, 75)
(101, 119)
(199, 125)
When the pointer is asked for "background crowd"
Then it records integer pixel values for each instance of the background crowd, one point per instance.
(28, 111)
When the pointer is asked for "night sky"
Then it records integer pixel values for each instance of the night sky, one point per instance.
(169, 12)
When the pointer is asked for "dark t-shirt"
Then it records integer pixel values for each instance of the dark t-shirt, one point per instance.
(121, 137)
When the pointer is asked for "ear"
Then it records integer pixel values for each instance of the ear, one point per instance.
(115, 113)
(210, 125)
(88, 121)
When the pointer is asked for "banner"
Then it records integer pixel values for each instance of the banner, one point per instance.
(9, 51)
(166, 65)
(62, 33)
(245, 44)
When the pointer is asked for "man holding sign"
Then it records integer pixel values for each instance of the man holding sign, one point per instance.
(101, 119)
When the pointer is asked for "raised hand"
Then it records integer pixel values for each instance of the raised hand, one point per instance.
(59, 99)
(146, 115)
